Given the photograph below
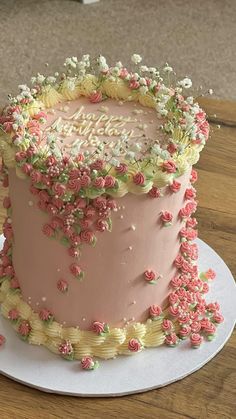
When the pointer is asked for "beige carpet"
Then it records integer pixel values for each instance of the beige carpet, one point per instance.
(197, 37)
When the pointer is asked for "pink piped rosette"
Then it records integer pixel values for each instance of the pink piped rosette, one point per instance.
(166, 218)
(134, 345)
(88, 363)
(155, 312)
(151, 277)
(100, 328)
(66, 350)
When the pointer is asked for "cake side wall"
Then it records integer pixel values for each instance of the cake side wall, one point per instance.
(114, 289)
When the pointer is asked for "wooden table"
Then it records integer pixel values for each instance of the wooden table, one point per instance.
(210, 392)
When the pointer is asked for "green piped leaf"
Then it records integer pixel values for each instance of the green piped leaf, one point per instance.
(109, 222)
(94, 241)
(65, 241)
(80, 277)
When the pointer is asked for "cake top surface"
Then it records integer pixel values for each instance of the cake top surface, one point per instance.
(138, 125)
(115, 130)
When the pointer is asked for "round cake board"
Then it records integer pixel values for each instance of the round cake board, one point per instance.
(37, 367)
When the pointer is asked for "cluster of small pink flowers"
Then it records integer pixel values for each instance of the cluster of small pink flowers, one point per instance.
(76, 220)
(194, 317)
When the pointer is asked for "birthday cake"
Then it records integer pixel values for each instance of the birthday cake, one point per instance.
(99, 257)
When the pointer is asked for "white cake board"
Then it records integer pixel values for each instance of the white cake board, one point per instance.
(37, 367)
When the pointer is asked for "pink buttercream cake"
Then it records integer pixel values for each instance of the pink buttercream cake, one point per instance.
(99, 256)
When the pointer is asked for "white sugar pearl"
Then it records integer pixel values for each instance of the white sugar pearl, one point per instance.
(133, 227)
(130, 248)
(44, 298)
(30, 203)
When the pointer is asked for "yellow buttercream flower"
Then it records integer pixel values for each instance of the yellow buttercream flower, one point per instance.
(147, 100)
(34, 107)
(87, 85)
(50, 96)
(68, 91)
(117, 89)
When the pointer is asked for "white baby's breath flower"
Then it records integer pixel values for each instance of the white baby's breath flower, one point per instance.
(102, 64)
(116, 152)
(163, 112)
(114, 162)
(51, 79)
(136, 58)
(23, 87)
(136, 76)
(71, 62)
(143, 68)
(143, 81)
(136, 147)
(186, 83)
(119, 64)
(115, 70)
(71, 84)
(86, 59)
(143, 90)
(130, 155)
(101, 59)
(189, 100)
(156, 149)
(167, 68)
(152, 69)
(165, 155)
(40, 78)
(178, 89)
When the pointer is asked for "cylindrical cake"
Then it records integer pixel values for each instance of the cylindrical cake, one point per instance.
(99, 256)
(114, 288)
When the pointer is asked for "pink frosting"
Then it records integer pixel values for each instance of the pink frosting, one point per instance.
(113, 287)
